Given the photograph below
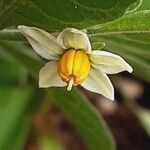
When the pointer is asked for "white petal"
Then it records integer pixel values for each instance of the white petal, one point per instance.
(42, 42)
(99, 82)
(108, 62)
(73, 38)
(48, 76)
(41, 50)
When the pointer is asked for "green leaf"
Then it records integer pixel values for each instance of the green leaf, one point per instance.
(11, 35)
(137, 22)
(18, 135)
(144, 6)
(14, 125)
(134, 6)
(56, 14)
(16, 107)
(11, 73)
(89, 124)
(24, 55)
(97, 45)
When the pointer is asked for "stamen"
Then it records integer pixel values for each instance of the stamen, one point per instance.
(73, 67)
(70, 84)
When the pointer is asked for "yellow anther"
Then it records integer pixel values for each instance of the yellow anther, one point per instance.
(69, 61)
(74, 67)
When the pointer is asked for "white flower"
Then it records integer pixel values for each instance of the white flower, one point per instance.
(72, 62)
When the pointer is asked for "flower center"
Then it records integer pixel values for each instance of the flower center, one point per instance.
(73, 67)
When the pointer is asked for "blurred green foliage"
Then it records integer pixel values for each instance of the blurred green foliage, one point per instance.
(128, 34)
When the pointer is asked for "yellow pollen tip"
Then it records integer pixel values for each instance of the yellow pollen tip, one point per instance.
(73, 67)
